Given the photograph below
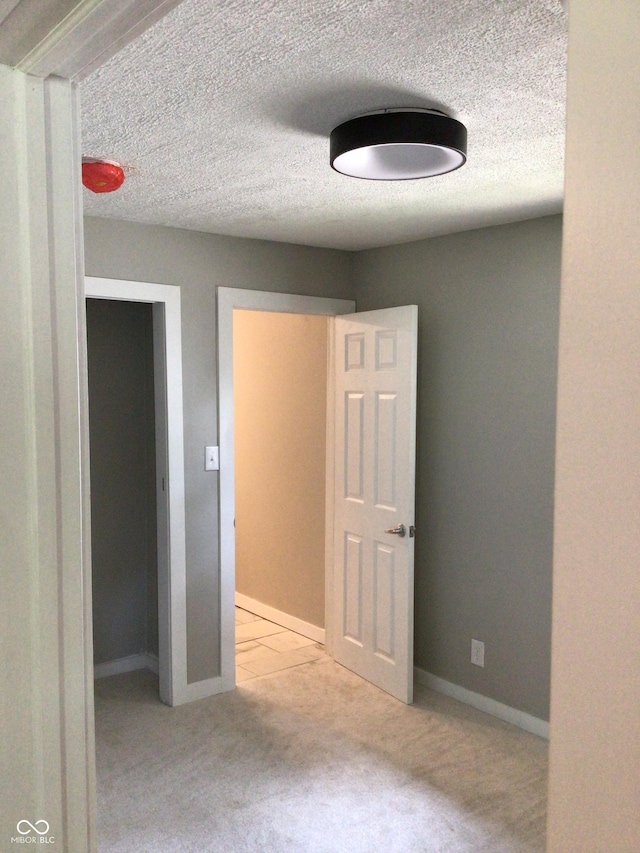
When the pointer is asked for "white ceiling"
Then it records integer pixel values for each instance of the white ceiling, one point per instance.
(221, 114)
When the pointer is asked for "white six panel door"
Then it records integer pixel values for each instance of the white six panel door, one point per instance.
(375, 419)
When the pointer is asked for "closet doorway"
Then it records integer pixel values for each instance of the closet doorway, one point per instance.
(163, 303)
(124, 530)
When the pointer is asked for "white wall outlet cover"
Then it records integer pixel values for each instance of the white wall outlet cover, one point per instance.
(477, 652)
(211, 459)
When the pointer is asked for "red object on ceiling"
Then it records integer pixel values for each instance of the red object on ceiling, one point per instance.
(102, 176)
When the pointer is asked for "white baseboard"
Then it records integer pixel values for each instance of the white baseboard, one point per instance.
(280, 618)
(128, 664)
(483, 703)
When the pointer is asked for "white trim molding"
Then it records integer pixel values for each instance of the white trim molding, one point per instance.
(285, 620)
(72, 40)
(45, 607)
(144, 660)
(483, 703)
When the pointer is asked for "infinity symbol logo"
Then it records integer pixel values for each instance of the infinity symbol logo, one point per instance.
(32, 828)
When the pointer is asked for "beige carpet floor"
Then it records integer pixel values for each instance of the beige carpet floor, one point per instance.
(312, 760)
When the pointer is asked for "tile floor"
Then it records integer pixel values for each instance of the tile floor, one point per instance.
(263, 647)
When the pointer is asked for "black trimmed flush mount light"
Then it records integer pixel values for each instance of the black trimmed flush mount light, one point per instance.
(398, 145)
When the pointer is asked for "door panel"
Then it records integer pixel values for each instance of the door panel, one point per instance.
(352, 627)
(375, 406)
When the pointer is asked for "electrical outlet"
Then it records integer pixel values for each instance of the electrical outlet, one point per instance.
(477, 652)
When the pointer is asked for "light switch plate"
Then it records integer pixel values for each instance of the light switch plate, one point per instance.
(211, 459)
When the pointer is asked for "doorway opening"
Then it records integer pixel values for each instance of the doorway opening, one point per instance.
(124, 529)
(163, 302)
(247, 305)
(280, 402)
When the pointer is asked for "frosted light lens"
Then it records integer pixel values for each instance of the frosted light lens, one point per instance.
(398, 161)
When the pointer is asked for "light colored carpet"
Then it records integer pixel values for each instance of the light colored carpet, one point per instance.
(312, 760)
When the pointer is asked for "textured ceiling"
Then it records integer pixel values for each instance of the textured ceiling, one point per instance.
(221, 114)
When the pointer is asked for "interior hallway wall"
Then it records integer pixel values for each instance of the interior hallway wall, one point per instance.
(486, 423)
(198, 263)
(487, 368)
(123, 488)
(594, 775)
(280, 401)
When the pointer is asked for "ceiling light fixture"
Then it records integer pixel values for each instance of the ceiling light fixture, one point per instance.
(398, 145)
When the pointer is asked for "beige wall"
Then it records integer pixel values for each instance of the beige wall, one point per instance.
(280, 382)
(594, 790)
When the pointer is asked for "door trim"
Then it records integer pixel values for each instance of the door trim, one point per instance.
(172, 616)
(229, 299)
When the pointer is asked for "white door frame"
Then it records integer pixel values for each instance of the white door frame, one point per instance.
(229, 299)
(172, 616)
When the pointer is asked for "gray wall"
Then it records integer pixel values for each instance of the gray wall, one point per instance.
(123, 497)
(487, 387)
(199, 263)
(488, 328)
